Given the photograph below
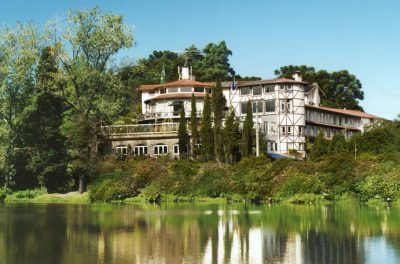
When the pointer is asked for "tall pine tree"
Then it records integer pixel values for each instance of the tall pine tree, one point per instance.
(182, 134)
(218, 106)
(206, 131)
(231, 137)
(247, 134)
(194, 127)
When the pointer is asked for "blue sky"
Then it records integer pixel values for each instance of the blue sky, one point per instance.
(360, 36)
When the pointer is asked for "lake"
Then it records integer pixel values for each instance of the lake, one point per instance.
(198, 233)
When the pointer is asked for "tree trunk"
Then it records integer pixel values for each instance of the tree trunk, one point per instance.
(81, 183)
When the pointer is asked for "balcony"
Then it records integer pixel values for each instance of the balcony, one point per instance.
(141, 130)
(168, 115)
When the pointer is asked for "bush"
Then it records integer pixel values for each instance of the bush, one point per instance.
(112, 187)
(25, 195)
(182, 174)
(299, 183)
(4, 192)
(212, 180)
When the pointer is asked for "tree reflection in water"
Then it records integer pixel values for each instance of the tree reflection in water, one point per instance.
(189, 233)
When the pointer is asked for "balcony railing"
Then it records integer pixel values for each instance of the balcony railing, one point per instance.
(166, 115)
(141, 129)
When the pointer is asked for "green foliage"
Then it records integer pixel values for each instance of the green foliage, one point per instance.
(206, 131)
(246, 147)
(4, 192)
(251, 178)
(25, 195)
(181, 175)
(215, 63)
(213, 180)
(93, 92)
(231, 137)
(337, 144)
(340, 89)
(218, 105)
(319, 148)
(299, 183)
(111, 186)
(194, 127)
(183, 135)
(381, 181)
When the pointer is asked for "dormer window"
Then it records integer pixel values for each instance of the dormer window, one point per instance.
(245, 90)
(257, 90)
(186, 89)
(198, 89)
(172, 90)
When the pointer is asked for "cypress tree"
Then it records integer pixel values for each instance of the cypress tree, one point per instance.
(337, 144)
(206, 131)
(247, 134)
(182, 134)
(231, 137)
(320, 147)
(194, 126)
(218, 106)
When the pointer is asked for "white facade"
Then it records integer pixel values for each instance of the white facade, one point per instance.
(285, 110)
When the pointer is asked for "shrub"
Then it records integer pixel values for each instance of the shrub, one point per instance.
(111, 187)
(25, 194)
(299, 183)
(212, 180)
(181, 175)
(4, 192)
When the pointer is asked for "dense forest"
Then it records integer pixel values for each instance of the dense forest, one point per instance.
(58, 88)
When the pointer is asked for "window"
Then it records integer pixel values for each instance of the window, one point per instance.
(283, 130)
(176, 149)
(269, 88)
(276, 146)
(198, 89)
(243, 107)
(172, 90)
(286, 105)
(286, 87)
(121, 150)
(257, 90)
(152, 92)
(265, 127)
(289, 130)
(160, 149)
(301, 130)
(244, 90)
(270, 106)
(162, 90)
(257, 107)
(186, 89)
(140, 150)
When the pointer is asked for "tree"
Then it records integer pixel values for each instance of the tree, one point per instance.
(218, 106)
(215, 64)
(247, 133)
(319, 148)
(48, 153)
(206, 131)
(194, 127)
(182, 134)
(19, 54)
(340, 89)
(93, 92)
(337, 144)
(231, 137)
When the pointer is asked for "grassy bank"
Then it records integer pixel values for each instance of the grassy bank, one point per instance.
(40, 196)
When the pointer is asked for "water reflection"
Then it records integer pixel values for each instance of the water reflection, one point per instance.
(188, 233)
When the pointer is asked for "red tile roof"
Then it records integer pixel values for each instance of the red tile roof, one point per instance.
(345, 112)
(176, 96)
(179, 83)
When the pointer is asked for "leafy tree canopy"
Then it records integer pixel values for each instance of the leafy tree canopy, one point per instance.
(340, 89)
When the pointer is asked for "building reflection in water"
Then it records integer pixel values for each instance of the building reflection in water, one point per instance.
(198, 234)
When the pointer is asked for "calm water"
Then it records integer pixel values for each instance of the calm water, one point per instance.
(198, 234)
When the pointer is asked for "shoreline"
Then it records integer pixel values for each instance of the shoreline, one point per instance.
(299, 199)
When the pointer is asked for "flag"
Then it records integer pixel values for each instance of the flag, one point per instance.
(233, 86)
